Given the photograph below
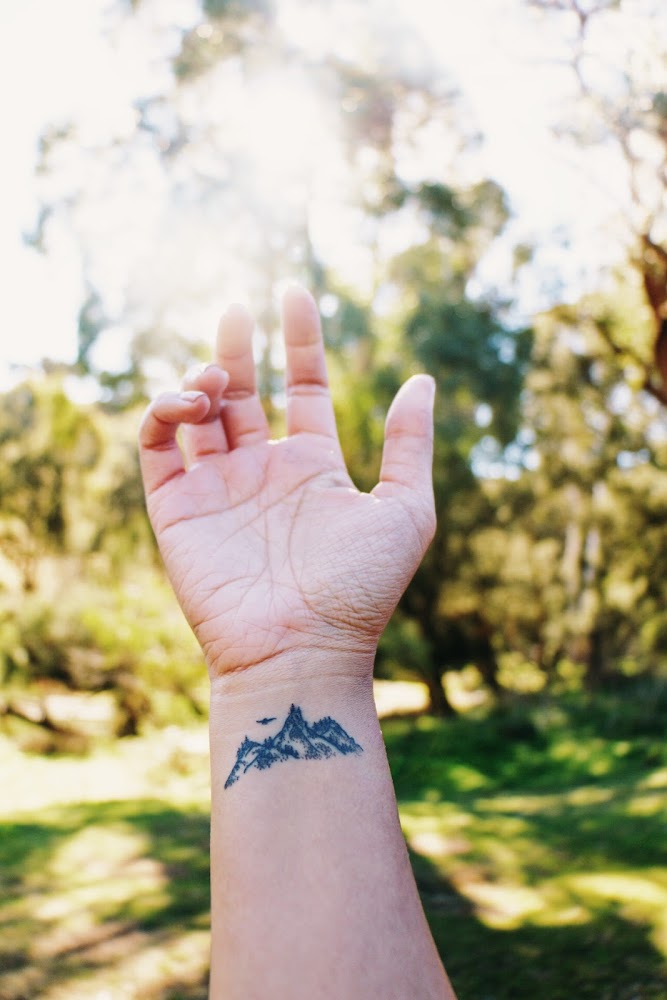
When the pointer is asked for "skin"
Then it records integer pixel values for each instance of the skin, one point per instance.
(288, 575)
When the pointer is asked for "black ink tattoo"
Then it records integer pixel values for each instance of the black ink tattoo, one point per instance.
(296, 740)
(265, 722)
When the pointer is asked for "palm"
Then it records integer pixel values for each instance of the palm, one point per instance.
(269, 545)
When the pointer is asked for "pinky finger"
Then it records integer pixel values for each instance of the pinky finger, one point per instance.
(159, 454)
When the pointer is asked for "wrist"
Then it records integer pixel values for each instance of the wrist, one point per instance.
(255, 704)
(302, 669)
(260, 647)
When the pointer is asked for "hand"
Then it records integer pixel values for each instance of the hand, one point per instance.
(272, 551)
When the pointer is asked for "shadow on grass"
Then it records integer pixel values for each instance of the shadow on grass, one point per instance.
(87, 887)
(545, 800)
(606, 959)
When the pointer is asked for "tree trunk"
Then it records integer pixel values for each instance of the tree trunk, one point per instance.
(486, 661)
(595, 659)
(487, 665)
(439, 703)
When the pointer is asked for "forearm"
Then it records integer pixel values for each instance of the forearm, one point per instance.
(312, 891)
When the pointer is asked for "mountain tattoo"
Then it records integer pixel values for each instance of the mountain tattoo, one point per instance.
(297, 740)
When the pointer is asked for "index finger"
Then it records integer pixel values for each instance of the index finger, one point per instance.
(159, 454)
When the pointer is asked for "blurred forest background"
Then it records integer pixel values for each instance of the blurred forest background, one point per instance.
(326, 144)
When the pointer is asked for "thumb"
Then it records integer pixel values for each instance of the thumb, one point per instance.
(407, 455)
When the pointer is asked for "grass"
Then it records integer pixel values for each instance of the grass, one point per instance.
(536, 832)
(538, 839)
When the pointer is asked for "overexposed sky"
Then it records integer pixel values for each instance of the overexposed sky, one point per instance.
(56, 62)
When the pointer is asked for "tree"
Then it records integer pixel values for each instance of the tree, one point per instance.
(617, 54)
(593, 442)
(479, 365)
(219, 142)
(257, 131)
(48, 446)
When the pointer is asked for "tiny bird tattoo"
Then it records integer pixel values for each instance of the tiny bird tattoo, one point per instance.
(265, 722)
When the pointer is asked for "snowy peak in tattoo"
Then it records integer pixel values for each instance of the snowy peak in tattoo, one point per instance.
(297, 740)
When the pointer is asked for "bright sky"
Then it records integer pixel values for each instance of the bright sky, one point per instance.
(55, 61)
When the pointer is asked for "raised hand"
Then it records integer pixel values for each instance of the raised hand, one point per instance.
(273, 553)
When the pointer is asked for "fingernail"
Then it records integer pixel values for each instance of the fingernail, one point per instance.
(191, 396)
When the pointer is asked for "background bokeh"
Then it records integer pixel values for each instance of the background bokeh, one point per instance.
(477, 191)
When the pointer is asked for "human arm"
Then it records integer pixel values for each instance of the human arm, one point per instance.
(288, 575)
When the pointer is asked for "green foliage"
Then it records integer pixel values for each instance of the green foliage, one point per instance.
(475, 360)
(227, 8)
(87, 622)
(128, 642)
(124, 639)
(47, 448)
(402, 650)
(91, 323)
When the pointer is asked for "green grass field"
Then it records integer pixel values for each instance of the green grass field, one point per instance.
(538, 834)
